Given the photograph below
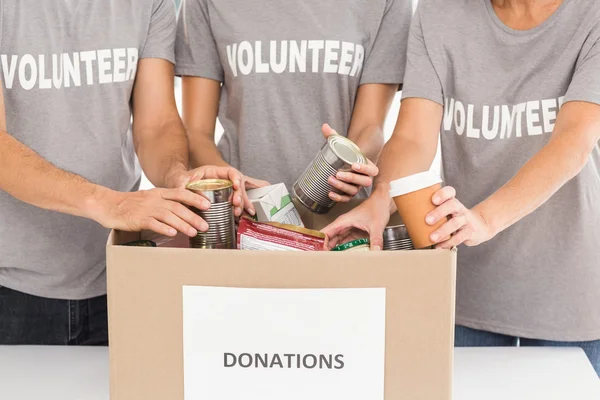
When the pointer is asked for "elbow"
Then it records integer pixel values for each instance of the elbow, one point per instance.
(579, 158)
(572, 151)
(583, 158)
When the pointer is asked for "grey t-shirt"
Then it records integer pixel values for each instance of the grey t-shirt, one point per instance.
(67, 72)
(287, 68)
(501, 90)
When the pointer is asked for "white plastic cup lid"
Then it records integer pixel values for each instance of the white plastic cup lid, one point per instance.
(413, 183)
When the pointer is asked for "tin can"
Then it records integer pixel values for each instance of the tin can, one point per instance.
(397, 238)
(141, 243)
(312, 189)
(219, 217)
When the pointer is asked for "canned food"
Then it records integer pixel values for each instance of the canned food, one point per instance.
(274, 236)
(313, 188)
(355, 245)
(219, 217)
(141, 243)
(397, 238)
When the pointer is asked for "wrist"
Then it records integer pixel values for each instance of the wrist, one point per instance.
(175, 175)
(99, 205)
(369, 140)
(381, 188)
(490, 218)
(381, 196)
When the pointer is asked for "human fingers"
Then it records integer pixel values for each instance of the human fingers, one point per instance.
(448, 229)
(369, 169)
(184, 196)
(346, 188)
(354, 178)
(450, 207)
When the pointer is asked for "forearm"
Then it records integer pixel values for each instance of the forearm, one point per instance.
(28, 177)
(413, 146)
(370, 141)
(400, 157)
(372, 105)
(204, 151)
(403, 157)
(538, 180)
(163, 151)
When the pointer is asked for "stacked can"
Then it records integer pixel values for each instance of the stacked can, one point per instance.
(313, 188)
(396, 238)
(219, 217)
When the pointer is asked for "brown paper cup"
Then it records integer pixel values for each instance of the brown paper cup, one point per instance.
(413, 197)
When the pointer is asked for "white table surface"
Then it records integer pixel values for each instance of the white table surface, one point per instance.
(60, 373)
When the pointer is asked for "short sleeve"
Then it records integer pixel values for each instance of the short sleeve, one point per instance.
(386, 61)
(421, 79)
(160, 42)
(195, 48)
(585, 85)
(1, 22)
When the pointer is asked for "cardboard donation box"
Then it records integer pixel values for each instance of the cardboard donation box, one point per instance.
(189, 324)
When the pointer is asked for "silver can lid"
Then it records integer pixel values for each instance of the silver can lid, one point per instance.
(214, 190)
(346, 150)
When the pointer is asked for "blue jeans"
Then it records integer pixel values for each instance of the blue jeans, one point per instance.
(32, 320)
(467, 337)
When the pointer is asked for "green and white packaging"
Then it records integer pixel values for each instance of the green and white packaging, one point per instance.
(274, 204)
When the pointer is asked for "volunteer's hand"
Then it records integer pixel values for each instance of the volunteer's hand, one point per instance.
(181, 179)
(370, 217)
(464, 225)
(350, 182)
(158, 210)
(253, 183)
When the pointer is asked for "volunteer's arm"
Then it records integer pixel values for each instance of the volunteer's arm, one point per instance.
(373, 102)
(575, 135)
(201, 98)
(160, 140)
(27, 176)
(410, 150)
(372, 105)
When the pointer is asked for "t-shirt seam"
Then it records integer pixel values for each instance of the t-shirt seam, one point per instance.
(495, 20)
(525, 330)
(416, 91)
(586, 97)
(1, 25)
(197, 72)
(389, 78)
(143, 48)
(387, 9)
(437, 74)
(159, 56)
(204, 9)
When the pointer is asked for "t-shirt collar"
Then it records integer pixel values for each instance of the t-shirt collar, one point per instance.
(501, 25)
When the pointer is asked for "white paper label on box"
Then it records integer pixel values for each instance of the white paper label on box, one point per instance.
(292, 344)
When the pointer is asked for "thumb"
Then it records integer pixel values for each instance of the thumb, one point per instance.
(328, 131)
(253, 183)
(376, 239)
(196, 175)
(335, 228)
(183, 180)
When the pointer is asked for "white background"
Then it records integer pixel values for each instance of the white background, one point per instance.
(350, 322)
